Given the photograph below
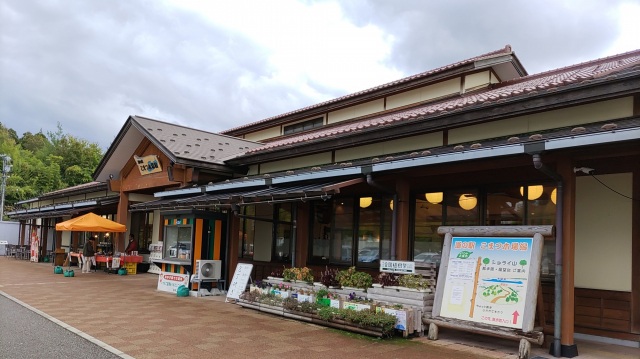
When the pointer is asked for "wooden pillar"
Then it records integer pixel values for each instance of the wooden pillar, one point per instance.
(565, 169)
(23, 228)
(302, 233)
(635, 249)
(44, 234)
(402, 224)
(234, 245)
(121, 217)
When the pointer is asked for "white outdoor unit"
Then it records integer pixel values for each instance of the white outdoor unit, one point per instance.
(208, 269)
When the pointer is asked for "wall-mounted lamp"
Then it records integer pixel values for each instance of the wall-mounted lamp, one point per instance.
(467, 201)
(391, 204)
(434, 197)
(533, 192)
(554, 195)
(365, 202)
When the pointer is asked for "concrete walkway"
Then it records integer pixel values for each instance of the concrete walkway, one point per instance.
(132, 319)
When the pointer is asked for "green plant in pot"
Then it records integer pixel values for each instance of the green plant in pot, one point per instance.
(355, 279)
(414, 281)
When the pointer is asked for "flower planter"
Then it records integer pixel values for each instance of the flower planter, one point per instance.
(326, 302)
(421, 299)
(304, 297)
(358, 306)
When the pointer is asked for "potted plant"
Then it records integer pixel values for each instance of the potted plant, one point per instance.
(351, 278)
(329, 278)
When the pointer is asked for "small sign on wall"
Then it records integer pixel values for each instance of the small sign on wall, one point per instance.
(148, 164)
(402, 267)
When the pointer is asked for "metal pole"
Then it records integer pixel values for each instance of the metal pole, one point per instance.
(6, 168)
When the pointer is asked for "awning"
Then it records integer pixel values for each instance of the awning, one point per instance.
(62, 209)
(90, 222)
(272, 194)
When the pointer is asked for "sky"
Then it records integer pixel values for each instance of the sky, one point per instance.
(215, 65)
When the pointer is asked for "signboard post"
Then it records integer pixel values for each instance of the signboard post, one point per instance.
(488, 282)
(239, 281)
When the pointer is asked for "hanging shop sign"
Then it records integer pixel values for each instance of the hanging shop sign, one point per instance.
(148, 164)
(489, 279)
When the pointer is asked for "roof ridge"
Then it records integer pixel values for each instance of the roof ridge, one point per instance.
(598, 61)
(503, 51)
(550, 79)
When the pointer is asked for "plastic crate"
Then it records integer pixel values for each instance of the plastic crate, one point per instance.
(131, 267)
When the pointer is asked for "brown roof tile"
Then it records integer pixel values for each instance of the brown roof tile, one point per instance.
(504, 51)
(520, 87)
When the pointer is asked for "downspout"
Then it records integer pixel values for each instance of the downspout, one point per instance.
(394, 216)
(294, 235)
(557, 317)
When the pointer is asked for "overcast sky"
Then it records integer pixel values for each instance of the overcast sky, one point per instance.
(216, 65)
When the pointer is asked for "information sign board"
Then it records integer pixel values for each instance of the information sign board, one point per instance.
(404, 267)
(489, 279)
(169, 282)
(240, 280)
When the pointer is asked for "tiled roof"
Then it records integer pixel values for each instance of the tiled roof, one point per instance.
(511, 89)
(192, 144)
(504, 51)
(83, 188)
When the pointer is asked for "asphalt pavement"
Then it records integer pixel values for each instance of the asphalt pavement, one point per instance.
(25, 334)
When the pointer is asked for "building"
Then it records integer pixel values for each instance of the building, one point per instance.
(373, 174)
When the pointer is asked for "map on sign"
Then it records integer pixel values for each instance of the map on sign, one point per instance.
(487, 280)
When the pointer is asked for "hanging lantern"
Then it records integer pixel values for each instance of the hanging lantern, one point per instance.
(365, 202)
(554, 193)
(434, 197)
(534, 192)
(467, 201)
(391, 204)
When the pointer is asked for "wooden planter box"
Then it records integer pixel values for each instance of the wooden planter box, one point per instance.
(408, 320)
(312, 318)
(415, 298)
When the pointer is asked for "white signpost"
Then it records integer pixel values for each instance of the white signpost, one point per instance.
(240, 280)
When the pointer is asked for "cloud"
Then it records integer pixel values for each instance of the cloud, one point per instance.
(217, 65)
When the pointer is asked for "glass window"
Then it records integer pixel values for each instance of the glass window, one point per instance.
(374, 230)
(342, 235)
(284, 231)
(461, 208)
(177, 242)
(505, 206)
(428, 217)
(320, 231)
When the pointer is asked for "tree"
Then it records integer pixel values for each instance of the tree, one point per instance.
(43, 164)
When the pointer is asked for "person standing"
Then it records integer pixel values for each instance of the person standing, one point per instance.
(87, 255)
(132, 246)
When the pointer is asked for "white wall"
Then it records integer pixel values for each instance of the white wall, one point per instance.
(603, 232)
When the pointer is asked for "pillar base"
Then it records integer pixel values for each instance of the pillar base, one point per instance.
(566, 351)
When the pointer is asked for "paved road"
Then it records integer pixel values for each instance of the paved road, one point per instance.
(25, 334)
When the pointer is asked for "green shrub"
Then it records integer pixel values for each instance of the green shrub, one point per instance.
(352, 278)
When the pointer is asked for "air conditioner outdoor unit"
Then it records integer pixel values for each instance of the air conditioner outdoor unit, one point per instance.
(208, 269)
